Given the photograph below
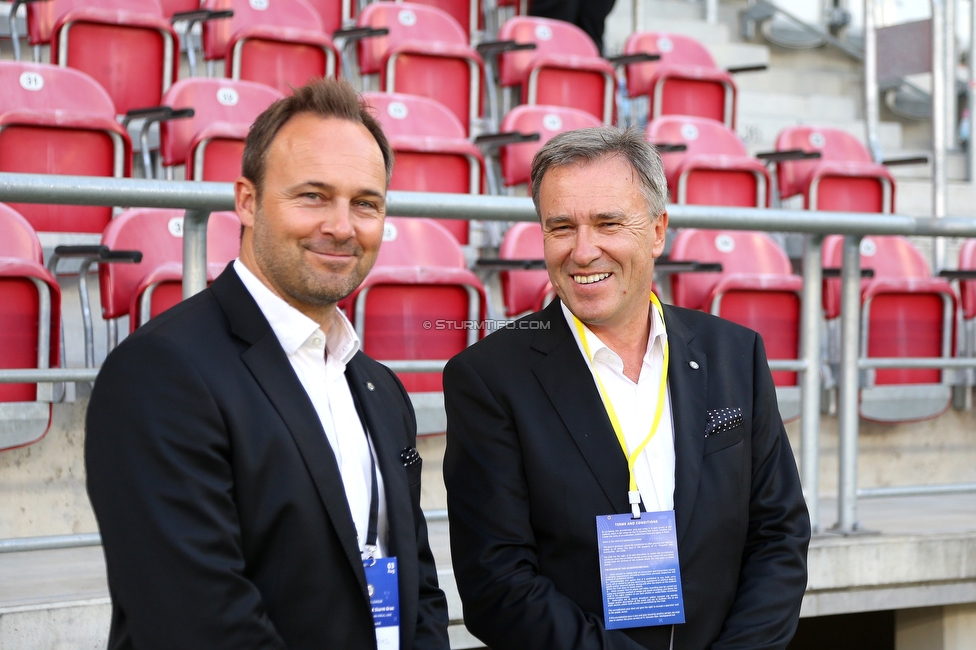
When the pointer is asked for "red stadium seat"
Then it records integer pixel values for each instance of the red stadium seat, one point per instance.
(172, 7)
(684, 81)
(59, 121)
(30, 308)
(280, 43)
(904, 313)
(335, 14)
(843, 179)
(416, 301)
(547, 121)
(432, 153)
(715, 169)
(152, 286)
(211, 142)
(467, 13)
(967, 290)
(426, 53)
(523, 291)
(565, 69)
(127, 46)
(756, 288)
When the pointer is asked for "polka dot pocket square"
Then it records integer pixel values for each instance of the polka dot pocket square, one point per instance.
(722, 420)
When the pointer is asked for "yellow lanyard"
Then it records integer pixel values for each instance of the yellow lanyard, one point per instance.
(634, 494)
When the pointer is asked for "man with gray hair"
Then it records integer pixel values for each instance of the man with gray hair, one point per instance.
(618, 473)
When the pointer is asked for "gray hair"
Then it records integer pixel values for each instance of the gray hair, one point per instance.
(588, 145)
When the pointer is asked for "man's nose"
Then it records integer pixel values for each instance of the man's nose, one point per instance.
(338, 221)
(585, 249)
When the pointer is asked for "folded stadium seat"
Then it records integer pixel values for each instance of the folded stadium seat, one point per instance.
(843, 179)
(211, 142)
(30, 308)
(432, 153)
(155, 284)
(684, 81)
(280, 43)
(425, 53)
(547, 121)
(419, 302)
(904, 313)
(713, 169)
(564, 69)
(523, 291)
(756, 288)
(467, 13)
(59, 121)
(127, 46)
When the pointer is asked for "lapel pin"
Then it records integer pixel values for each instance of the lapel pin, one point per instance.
(693, 364)
(370, 385)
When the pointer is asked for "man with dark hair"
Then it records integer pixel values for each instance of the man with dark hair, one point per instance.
(253, 473)
(618, 475)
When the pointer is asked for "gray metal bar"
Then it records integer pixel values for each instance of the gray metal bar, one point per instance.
(33, 375)
(871, 115)
(810, 317)
(916, 490)
(418, 365)
(18, 544)
(435, 515)
(194, 252)
(915, 362)
(951, 102)
(637, 16)
(971, 94)
(14, 35)
(939, 184)
(793, 365)
(847, 384)
(711, 11)
(86, 316)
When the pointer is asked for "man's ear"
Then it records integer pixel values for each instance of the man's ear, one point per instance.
(660, 230)
(245, 201)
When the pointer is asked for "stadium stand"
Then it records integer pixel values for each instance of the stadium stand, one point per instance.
(145, 289)
(432, 152)
(425, 53)
(467, 13)
(756, 288)
(30, 308)
(905, 312)
(564, 69)
(707, 164)
(280, 43)
(415, 302)
(529, 290)
(60, 121)
(210, 143)
(685, 81)
(844, 178)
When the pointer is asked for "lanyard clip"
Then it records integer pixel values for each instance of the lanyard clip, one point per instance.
(368, 555)
(635, 500)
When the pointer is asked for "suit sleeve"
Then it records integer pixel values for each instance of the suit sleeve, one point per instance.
(159, 477)
(773, 576)
(432, 618)
(507, 604)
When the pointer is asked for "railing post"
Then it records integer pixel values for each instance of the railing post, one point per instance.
(871, 114)
(970, 148)
(848, 383)
(637, 15)
(949, 63)
(711, 11)
(939, 186)
(810, 352)
(194, 252)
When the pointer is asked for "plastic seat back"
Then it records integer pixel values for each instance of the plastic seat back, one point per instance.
(416, 301)
(547, 121)
(467, 13)
(844, 178)
(171, 7)
(522, 291)
(426, 53)
(224, 101)
(59, 121)
(967, 262)
(334, 13)
(127, 46)
(158, 234)
(684, 81)
(714, 169)
(551, 37)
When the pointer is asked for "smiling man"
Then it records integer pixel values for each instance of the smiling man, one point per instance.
(618, 474)
(253, 473)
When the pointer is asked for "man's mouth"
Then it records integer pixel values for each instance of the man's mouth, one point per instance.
(590, 279)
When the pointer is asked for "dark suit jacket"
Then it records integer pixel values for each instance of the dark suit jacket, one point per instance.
(532, 460)
(220, 503)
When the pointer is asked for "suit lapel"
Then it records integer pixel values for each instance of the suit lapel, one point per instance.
(271, 369)
(567, 381)
(689, 397)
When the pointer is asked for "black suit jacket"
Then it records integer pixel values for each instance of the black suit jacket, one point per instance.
(532, 460)
(220, 503)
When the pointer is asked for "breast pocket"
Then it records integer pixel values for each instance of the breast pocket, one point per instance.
(724, 440)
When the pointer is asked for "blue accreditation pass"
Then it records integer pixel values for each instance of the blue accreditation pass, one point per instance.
(384, 599)
(639, 570)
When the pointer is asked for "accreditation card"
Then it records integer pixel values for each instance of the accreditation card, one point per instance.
(639, 570)
(384, 599)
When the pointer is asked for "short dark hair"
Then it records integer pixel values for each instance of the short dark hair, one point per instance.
(589, 145)
(326, 98)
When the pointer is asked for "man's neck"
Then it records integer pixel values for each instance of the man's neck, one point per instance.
(628, 341)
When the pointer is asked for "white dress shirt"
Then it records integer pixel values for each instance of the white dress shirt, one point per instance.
(635, 404)
(320, 363)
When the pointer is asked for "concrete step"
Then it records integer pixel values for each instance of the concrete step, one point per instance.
(955, 166)
(914, 197)
(792, 81)
(730, 55)
(835, 108)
